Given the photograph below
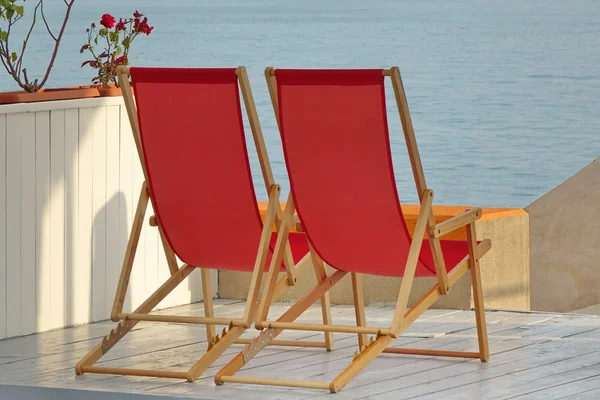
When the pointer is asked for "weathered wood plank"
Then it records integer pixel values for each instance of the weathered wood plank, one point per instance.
(530, 354)
(543, 373)
(54, 341)
(586, 392)
(508, 365)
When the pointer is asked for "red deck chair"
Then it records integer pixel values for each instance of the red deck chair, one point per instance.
(189, 135)
(333, 126)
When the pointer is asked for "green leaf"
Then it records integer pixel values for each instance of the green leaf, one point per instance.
(9, 13)
(13, 56)
(126, 43)
(19, 9)
(3, 35)
(118, 50)
(96, 40)
(114, 36)
(102, 32)
(5, 3)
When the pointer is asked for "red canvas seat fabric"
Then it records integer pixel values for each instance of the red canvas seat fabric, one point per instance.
(337, 152)
(196, 159)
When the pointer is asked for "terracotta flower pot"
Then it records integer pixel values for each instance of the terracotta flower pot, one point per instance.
(110, 90)
(68, 93)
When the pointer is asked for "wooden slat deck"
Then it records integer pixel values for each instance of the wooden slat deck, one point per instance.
(534, 355)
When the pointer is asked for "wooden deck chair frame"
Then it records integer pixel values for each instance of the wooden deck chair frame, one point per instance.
(403, 316)
(217, 344)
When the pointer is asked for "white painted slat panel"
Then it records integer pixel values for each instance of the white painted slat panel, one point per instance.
(82, 271)
(42, 220)
(115, 199)
(3, 231)
(126, 190)
(72, 182)
(28, 242)
(71, 211)
(99, 214)
(57, 218)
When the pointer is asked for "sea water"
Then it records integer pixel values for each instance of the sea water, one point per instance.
(504, 95)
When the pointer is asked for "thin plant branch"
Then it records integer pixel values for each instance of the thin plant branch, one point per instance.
(46, 23)
(57, 42)
(20, 60)
(13, 63)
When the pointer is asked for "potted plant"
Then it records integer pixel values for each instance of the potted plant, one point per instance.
(12, 56)
(110, 45)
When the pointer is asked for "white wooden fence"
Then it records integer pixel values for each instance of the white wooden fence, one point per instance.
(69, 182)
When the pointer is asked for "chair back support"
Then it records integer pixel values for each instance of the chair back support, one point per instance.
(197, 167)
(335, 137)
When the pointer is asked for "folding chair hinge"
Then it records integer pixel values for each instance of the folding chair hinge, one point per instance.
(215, 339)
(115, 335)
(259, 343)
(365, 347)
(276, 188)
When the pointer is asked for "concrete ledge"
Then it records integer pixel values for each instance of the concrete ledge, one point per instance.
(565, 243)
(505, 268)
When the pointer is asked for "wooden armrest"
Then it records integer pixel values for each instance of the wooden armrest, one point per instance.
(454, 223)
(153, 221)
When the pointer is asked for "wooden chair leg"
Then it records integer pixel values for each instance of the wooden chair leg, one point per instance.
(123, 327)
(484, 351)
(321, 274)
(250, 311)
(132, 243)
(270, 334)
(209, 310)
(171, 259)
(359, 307)
(359, 363)
(214, 352)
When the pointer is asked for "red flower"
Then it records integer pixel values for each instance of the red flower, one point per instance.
(137, 14)
(121, 60)
(108, 21)
(121, 25)
(142, 26)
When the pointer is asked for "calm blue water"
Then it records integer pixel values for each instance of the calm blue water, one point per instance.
(504, 95)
